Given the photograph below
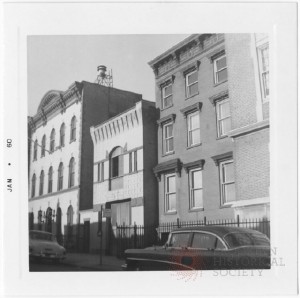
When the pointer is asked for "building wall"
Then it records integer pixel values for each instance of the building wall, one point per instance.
(210, 145)
(66, 196)
(99, 104)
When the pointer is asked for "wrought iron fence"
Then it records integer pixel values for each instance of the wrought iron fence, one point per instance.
(138, 236)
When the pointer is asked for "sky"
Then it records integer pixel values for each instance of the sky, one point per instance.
(55, 62)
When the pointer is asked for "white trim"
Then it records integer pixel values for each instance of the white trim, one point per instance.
(251, 202)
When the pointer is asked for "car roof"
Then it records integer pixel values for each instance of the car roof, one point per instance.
(40, 232)
(218, 230)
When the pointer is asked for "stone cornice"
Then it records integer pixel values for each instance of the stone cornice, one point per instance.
(192, 108)
(220, 96)
(196, 163)
(170, 165)
(165, 119)
(221, 157)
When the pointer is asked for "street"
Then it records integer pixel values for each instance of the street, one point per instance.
(48, 266)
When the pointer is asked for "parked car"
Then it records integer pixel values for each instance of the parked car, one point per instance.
(204, 248)
(43, 245)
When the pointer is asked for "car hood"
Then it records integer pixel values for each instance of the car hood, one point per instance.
(40, 244)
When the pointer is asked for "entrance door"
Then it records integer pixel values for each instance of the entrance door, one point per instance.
(86, 236)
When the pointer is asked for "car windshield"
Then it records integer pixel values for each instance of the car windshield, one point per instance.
(246, 239)
(42, 236)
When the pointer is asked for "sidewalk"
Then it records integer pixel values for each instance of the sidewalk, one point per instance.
(92, 261)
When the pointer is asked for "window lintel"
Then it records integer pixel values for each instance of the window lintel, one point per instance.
(192, 108)
(221, 157)
(220, 96)
(197, 163)
(169, 118)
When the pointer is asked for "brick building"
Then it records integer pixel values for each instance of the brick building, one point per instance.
(125, 152)
(61, 158)
(213, 128)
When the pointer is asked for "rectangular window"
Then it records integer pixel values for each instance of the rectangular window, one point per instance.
(220, 69)
(196, 189)
(263, 55)
(167, 98)
(170, 193)
(132, 161)
(115, 167)
(193, 129)
(227, 181)
(191, 80)
(100, 171)
(168, 138)
(223, 117)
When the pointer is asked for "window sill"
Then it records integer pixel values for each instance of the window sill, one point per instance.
(169, 153)
(196, 209)
(226, 205)
(193, 146)
(168, 107)
(71, 141)
(170, 212)
(222, 137)
(219, 83)
(192, 96)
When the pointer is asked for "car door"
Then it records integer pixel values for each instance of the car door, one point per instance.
(204, 250)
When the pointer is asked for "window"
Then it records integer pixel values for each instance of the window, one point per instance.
(191, 80)
(43, 146)
(227, 181)
(72, 172)
(220, 69)
(170, 193)
(52, 140)
(223, 117)
(33, 180)
(263, 56)
(41, 183)
(100, 171)
(35, 150)
(206, 241)
(168, 138)
(60, 177)
(132, 161)
(193, 128)
(167, 98)
(73, 129)
(179, 239)
(196, 189)
(116, 163)
(62, 135)
(50, 179)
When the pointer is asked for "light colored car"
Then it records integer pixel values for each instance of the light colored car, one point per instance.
(43, 245)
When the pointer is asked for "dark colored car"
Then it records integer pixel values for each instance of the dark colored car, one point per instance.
(43, 245)
(204, 248)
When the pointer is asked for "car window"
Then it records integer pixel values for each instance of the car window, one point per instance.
(206, 241)
(179, 239)
(41, 236)
(246, 239)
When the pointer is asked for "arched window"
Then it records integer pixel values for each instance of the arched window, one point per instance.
(70, 216)
(49, 220)
(35, 150)
(73, 129)
(60, 176)
(71, 172)
(62, 135)
(50, 179)
(52, 140)
(43, 146)
(33, 185)
(116, 163)
(41, 183)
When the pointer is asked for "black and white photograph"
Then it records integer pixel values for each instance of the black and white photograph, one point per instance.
(142, 154)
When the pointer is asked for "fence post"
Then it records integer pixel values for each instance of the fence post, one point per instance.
(134, 235)
(205, 220)
(178, 224)
(238, 220)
